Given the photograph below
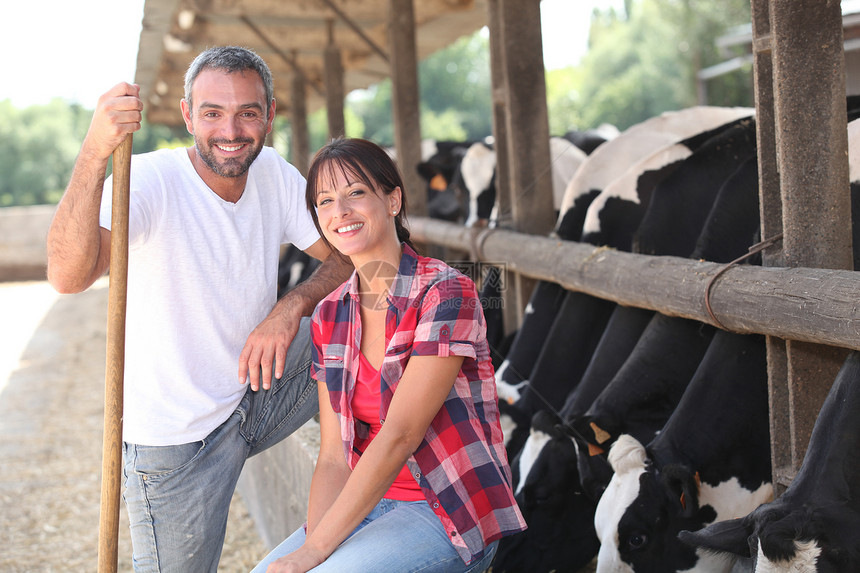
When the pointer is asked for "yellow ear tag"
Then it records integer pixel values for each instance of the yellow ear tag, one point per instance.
(438, 183)
(600, 434)
(594, 450)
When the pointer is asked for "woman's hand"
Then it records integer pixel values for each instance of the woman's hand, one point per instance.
(302, 559)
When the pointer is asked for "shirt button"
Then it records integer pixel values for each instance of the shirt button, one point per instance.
(417, 475)
(436, 505)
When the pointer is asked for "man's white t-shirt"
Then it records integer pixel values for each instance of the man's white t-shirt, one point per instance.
(202, 275)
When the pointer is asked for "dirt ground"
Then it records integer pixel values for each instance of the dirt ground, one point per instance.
(52, 373)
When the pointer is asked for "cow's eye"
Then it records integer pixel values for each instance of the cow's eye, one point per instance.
(637, 541)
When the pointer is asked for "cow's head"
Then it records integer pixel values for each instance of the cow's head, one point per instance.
(560, 534)
(787, 537)
(642, 511)
(441, 172)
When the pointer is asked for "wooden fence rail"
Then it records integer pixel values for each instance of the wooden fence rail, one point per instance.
(811, 305)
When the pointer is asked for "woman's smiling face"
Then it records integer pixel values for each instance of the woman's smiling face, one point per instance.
(354, 217)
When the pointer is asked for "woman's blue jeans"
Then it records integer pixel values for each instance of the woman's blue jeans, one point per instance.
(178, 496)
(396, 537)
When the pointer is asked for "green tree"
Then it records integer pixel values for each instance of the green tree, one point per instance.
(564, 100)
(644, 62)
(454, 86)
(455, 89)
(41, 144)
(40, 150)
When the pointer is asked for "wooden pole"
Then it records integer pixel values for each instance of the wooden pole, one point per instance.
(112, 442)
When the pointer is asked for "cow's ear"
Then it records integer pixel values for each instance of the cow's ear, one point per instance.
(682, 487)
(594, 473)
(723, 537)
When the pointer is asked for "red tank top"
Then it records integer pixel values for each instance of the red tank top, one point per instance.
(365, 408)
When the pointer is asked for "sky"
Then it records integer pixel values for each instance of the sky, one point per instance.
(78, 49)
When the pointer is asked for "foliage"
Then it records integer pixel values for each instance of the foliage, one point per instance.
(563, 100)
(41, 145)
(454, 86)
(645, 62)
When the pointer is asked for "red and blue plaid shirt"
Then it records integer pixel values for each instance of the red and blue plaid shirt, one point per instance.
(461, 464)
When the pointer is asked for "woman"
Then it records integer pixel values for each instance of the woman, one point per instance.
(412, 473)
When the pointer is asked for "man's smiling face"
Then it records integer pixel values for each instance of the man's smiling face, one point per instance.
(229, 121)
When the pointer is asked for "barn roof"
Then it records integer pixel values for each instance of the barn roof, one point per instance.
(742, 37)
(291, 35)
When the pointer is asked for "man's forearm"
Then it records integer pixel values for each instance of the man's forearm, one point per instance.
(333, 271)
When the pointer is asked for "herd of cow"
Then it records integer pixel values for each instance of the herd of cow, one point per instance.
(639, 439)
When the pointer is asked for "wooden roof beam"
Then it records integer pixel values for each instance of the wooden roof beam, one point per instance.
(291, 61)
(357, 29)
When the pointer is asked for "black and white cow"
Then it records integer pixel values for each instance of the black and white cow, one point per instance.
(702, 176)
(461, 178)
(440, 168)
(729, 230)
(543, 309)
(615, 157)
(608, 161)
(478, 173)
(616, 213)
(813, 527)
(591, 139)
(655, 375)
(555, 491)
(711, 462)
(578, 325)
(668, 354)
(650, 381)
(549, 452)
(561, 534)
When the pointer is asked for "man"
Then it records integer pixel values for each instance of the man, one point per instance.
(205, 228)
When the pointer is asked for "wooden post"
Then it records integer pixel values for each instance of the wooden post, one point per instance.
(405, 100)
(510, 293)
(300, 150)
(500, 113)
(115, 365)
(812, 158)
(334, 86)
(527, 121)
(770, 203)
(526, 152)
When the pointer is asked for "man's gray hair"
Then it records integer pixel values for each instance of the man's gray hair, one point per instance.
(229, 59)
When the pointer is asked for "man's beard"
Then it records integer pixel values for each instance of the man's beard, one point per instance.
(233, 166)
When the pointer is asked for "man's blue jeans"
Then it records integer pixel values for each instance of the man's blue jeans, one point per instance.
(396, 537)
(178, 496)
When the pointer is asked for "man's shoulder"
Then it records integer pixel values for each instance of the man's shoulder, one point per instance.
(270, 167)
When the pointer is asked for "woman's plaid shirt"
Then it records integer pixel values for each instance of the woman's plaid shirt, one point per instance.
(461, 465)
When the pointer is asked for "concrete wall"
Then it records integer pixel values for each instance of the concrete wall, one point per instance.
(22, 242)
(275, 484)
